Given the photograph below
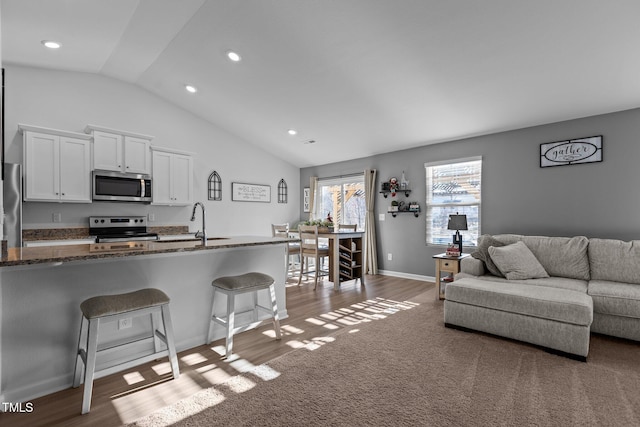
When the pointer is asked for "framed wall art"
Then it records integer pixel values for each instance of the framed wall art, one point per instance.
(241, 192)
(571, 152)
(305, 201)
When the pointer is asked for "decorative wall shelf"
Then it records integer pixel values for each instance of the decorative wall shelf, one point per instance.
(415, 213)
(386, 192)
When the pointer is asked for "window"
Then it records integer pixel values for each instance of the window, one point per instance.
(343, 198)
(453, 187)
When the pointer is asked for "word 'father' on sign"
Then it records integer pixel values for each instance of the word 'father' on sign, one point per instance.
(571, 152)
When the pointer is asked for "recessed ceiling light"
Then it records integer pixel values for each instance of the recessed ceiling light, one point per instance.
(292, 132)
(233, 56)
(190, 89)
(51, 44)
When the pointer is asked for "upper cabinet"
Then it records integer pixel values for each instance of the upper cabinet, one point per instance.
(57, 165)
(172, 177)
(120, 151)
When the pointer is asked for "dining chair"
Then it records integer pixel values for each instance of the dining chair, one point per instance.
(293, 248)
(350, 227)
(311, 248)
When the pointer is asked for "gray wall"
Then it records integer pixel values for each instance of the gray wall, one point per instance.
(595, 200)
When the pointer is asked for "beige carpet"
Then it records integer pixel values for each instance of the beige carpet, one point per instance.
(408, 369)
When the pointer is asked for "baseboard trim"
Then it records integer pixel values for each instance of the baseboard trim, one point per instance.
(407, 275)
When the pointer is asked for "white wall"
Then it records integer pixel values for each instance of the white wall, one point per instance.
(70, 101)
(1, 182)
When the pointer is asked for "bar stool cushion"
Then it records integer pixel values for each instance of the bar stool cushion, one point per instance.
(107, 305)
(245, 281)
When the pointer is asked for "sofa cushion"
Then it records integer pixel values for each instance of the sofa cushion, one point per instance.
(472, 266)
(544, 302)
(560, 256)
(517, 262)
(482, 253)
(615, 298)
(615, 260)
(551, 282)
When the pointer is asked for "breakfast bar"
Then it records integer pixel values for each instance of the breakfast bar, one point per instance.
(41, 289)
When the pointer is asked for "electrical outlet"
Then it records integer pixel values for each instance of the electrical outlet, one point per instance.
(125, 323)
(57, 217)
(390, 257)
(152, 217)
(381, 217)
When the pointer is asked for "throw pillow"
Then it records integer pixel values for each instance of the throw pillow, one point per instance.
(517, 262)
(482, 253)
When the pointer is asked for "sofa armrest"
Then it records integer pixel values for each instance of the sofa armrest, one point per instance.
(472, 266)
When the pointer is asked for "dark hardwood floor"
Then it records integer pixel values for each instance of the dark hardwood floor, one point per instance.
(313, 316)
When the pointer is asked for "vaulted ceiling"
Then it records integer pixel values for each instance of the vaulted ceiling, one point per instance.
(358, 77)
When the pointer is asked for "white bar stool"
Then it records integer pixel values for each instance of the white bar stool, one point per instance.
(111, 308)
(235, 285)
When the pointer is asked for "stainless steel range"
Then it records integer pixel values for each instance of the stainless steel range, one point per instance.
(120, 229)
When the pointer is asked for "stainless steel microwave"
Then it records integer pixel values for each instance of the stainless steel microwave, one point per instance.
(121, 187)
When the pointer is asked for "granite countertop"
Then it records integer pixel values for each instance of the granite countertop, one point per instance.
(67, 253)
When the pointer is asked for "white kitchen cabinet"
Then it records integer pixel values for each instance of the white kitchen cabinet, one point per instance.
(172, 177)
(57, 165)
(120, 151)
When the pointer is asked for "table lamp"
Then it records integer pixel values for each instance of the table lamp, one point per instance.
(457, 222)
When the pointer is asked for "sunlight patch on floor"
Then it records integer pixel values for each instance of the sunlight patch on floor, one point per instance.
(183, 409)
(133, 377)
(242, 365)
(240, 384)
(265, 373)
(295, 344)
(213, 375)
(271, 333)
(311, 344)
(331, 326)
(329, 316)
(292, 329)
(193, 359)
(248, 375)
(315, 321)
(131, 404)
(162, 368)
(360, 312)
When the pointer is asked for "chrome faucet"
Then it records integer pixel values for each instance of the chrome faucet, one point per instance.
(202, 234)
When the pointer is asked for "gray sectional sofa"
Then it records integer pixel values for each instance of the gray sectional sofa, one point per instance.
(548, 291)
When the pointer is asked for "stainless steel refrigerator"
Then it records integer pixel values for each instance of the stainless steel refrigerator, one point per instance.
(12, 204)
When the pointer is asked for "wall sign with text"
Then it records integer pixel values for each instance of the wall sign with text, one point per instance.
(571, 152)
(241, 192)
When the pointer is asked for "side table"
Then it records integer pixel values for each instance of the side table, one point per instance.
(446, 264)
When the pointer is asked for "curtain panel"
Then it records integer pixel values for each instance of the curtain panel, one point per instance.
(371, 253)
(313, 184)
